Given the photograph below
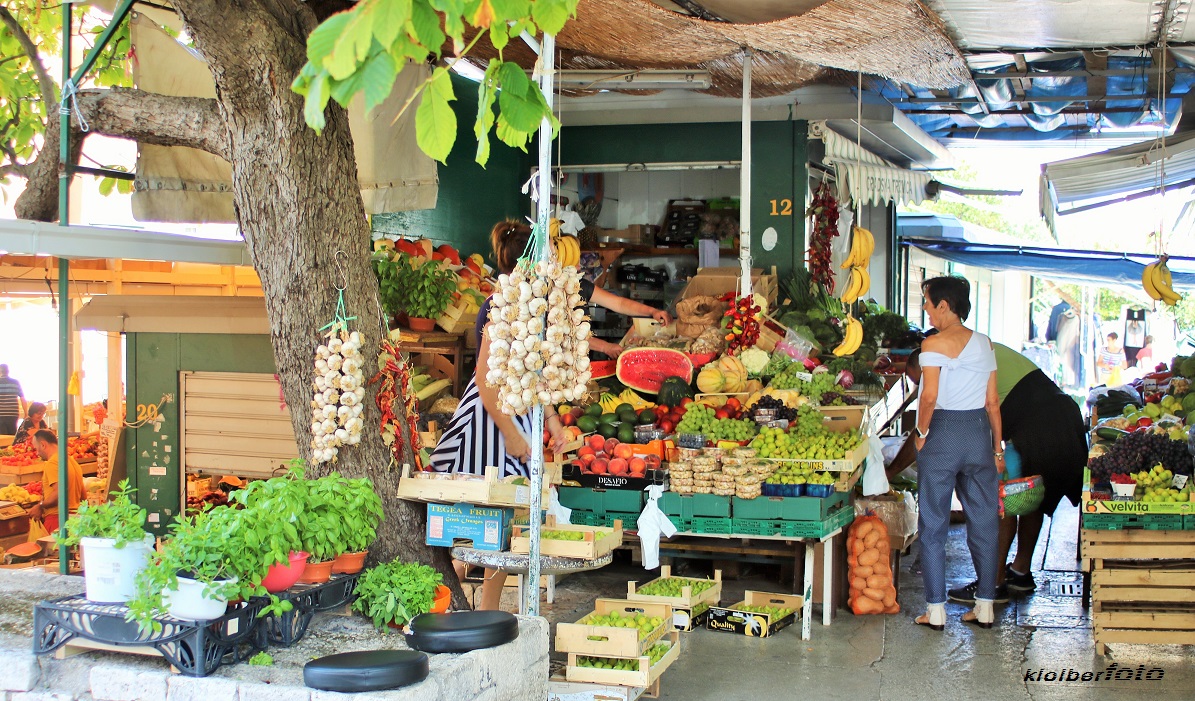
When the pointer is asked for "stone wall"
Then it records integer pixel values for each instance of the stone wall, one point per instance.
(517, 671)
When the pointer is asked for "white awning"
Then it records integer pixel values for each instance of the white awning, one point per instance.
(174, 314)
(865, 178)
(35, 238)
(1111, 176)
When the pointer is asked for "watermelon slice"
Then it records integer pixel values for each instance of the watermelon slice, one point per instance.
(602, 369)
(645, 369)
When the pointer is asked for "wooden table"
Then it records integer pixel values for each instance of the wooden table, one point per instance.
(518, 563)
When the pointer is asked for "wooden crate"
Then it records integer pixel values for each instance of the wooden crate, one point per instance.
(646, 675)
(612, 641)
(598, 541)
(1141, 586)
(687, 599)
(449, 488)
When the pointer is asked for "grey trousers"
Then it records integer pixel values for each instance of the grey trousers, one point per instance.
(957, 458)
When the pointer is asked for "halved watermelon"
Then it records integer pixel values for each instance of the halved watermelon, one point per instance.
(645, 369)
(601, 369)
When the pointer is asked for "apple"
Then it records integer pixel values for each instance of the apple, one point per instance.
(652, 461)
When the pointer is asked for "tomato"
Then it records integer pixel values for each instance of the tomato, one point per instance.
(721, 414)
(662, 410)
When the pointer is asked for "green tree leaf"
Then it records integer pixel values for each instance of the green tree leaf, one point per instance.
(551, 15)
(317, 100)
(389, 17)
(517, 101)
(425, 25)
(323, 39)
(352, 46)
(377, 78)
(435, 122)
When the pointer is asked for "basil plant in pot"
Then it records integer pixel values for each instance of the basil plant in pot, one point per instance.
(361, 514)
(420, 289)
(274, 519)
(210, 559)
(392, 593)
(114, 544)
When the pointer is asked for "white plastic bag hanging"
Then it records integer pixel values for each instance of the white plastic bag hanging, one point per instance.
(653, 524)
(562, 513)
(875, 479)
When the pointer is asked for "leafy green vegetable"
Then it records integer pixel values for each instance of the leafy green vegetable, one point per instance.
(395, 592)
(262, 659)
(119, 519)
(421, 289)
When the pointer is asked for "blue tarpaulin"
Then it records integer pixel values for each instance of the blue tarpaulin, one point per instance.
(1067, 265)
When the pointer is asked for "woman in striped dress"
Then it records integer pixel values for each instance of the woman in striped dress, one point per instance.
(479, 434)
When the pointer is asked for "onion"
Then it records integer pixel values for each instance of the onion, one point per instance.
(846, 378)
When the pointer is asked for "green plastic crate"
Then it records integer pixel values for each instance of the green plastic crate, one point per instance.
(629, 520)
(677, 506)
(818, 529)
(706, 524)
(586, 518)
(622, 501)
(759, 508)
(711, 506)
(810, 508)
(582, 498)
(1148, 522)
(1189, 522)
(750, 526)
(682, 525)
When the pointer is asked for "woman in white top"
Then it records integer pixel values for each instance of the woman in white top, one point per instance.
(959, 448)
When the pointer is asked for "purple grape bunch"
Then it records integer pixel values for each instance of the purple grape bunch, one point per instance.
(1141, 451)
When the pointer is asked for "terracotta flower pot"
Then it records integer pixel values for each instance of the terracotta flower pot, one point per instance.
(316, 573)
(442, 600)
(418, 323)
(349, 563)
(283, 576)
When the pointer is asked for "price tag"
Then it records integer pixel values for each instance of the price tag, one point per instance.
(522, 495)
(1178, 481)
(804, 377)
(109, 428)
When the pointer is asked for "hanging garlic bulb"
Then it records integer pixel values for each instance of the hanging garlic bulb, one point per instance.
(338, 390)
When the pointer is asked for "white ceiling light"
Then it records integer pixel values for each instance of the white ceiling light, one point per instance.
(634, 80)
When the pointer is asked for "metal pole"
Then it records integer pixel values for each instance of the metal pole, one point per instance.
(64, 282)
(543, 211)
(745, 180)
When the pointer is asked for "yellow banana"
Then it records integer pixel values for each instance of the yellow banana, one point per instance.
(1164, 282)
(852, 338)
(575, 246)
(1147, 281)
(851, 292)
(865, 286)
(554, 229)
(869, 244)
(852, 258)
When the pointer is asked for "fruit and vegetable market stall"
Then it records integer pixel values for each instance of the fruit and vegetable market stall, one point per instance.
(1138, 524)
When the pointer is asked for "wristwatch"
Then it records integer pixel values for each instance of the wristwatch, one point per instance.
(920, 433)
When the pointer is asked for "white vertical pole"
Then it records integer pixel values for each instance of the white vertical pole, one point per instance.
(543, 210)
(745, 180)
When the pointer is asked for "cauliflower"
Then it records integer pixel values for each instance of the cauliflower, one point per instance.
(755, 360)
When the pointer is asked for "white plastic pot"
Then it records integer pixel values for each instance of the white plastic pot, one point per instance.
(109, 572)
(190, 603)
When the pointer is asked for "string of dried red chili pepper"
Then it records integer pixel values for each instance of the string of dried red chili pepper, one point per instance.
(824, 210)
(395, 383)
(743, 330)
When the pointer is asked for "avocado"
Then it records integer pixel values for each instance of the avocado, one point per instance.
(626, 433)
(647, 416)
(593, 410)
(628, 416)
(1187, 368)
(587, 423)
(607, 430)
(608, 418)
(623, 407)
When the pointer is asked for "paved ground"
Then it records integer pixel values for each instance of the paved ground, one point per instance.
(890, 658)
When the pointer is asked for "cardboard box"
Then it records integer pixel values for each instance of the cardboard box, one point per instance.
(685, 620)
(486, 528)
(732, 619)
(716, 282)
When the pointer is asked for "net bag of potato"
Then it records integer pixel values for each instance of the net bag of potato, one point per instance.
(696, 314)
(870, 572)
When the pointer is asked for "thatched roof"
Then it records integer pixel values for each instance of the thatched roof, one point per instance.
(897, 39)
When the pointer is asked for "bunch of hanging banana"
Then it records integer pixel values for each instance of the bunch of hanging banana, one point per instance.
(1158, 284)
(568, 249)
(862, 246)
(852, 337)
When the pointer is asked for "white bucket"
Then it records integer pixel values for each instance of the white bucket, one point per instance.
(109, 572)
(190, 603)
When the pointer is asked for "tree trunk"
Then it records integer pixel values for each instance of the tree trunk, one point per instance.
(299, 205)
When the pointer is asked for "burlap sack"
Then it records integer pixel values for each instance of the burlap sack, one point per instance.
(696, 314)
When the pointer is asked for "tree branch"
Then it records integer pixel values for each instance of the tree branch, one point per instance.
(161, 120)
(48, 88)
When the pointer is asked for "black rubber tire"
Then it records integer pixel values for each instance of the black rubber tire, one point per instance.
(462, 631)
(367, 670)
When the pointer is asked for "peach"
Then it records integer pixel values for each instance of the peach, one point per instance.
(618, 466)
(609, 445)
(588, 459)
(585, 450)
(599, 466)
(652, 460)
(596, 442)
(624, 451)
(638, 466)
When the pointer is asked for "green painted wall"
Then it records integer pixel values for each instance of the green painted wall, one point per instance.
(154, 361)
(471, 198)
(779, 171)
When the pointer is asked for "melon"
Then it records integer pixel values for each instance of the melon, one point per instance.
(710, 380)
(646, 369)
(735, 373)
